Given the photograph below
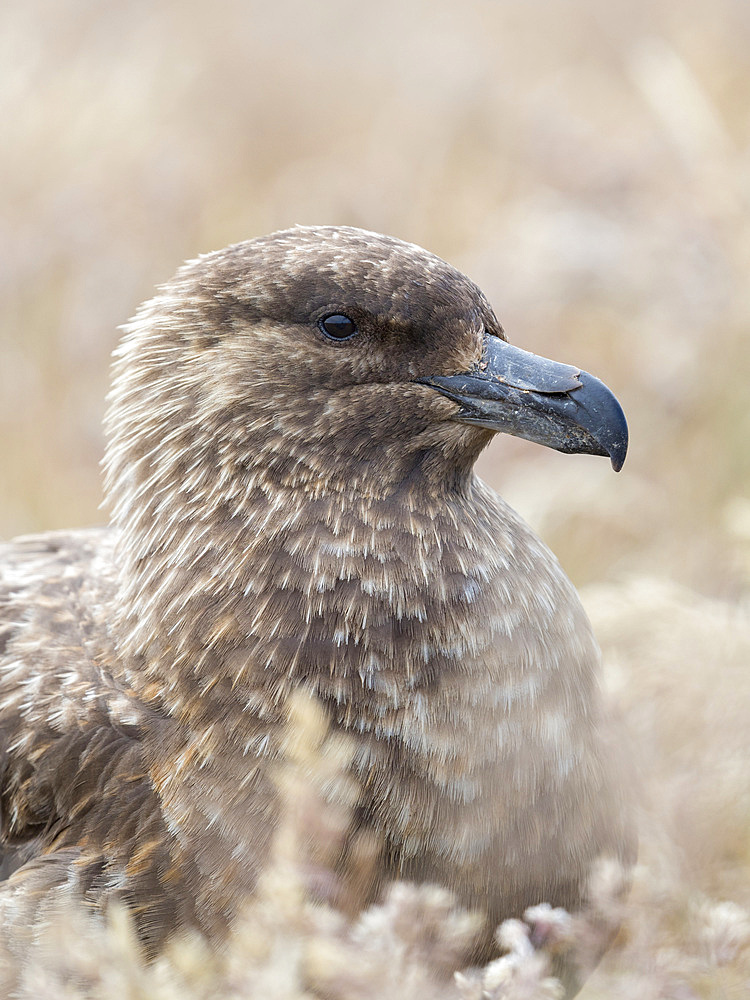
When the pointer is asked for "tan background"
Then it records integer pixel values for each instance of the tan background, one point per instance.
(586, 162)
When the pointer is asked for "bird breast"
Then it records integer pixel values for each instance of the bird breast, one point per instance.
(444, 636)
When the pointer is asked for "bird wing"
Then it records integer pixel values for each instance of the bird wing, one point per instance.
(76, 803)
(49, 683)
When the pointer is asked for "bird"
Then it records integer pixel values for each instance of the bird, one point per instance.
(291, 436)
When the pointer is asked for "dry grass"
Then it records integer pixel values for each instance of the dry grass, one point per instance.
(587, 164)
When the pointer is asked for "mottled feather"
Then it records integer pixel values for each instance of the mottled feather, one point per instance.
(293, 513)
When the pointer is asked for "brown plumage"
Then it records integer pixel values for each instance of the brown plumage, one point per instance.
(296, 509)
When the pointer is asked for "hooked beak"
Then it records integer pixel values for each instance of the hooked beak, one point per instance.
(519, 393)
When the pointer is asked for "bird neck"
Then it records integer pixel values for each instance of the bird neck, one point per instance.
(342, 591)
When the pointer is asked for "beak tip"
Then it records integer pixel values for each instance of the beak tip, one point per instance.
(604, 419)
(619, 437)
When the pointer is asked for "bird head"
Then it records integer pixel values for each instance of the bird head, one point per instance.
(329, 358)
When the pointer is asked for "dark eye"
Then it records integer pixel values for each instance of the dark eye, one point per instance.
(337, 326)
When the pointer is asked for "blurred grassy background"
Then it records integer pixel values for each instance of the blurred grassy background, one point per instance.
(587, 163)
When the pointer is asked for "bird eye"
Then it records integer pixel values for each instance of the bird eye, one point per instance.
(337, 326)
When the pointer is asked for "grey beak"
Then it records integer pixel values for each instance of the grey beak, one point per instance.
(553, 404)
